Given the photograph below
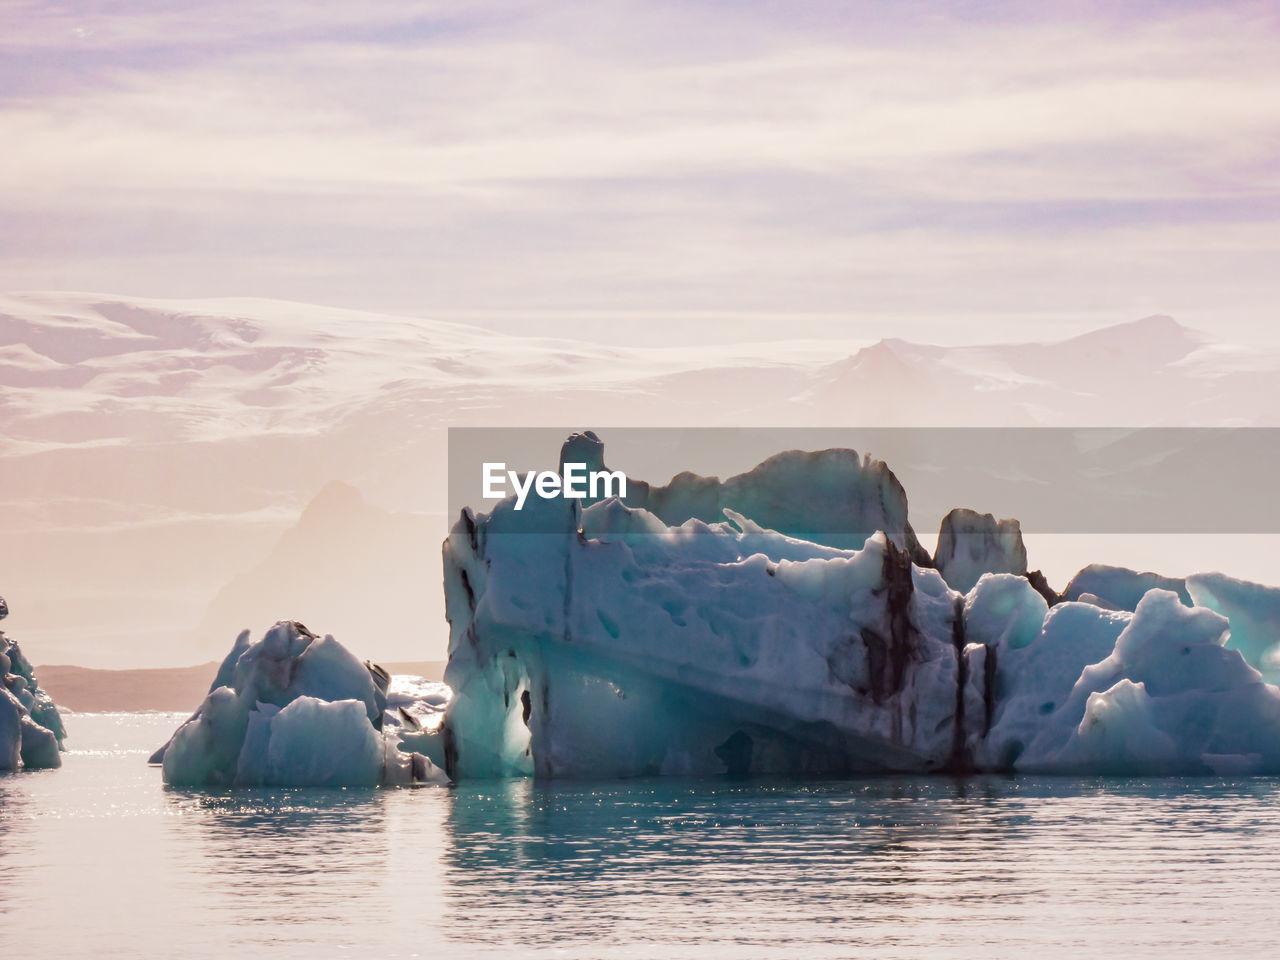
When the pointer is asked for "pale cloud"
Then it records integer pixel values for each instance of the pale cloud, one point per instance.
(526, 112)
(139, 24)
(677, 157)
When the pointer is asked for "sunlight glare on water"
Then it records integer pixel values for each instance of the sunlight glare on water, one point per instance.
(99, 859)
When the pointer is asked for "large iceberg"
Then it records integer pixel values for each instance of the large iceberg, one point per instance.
(297, 709)
(646, 636)
(31, 730)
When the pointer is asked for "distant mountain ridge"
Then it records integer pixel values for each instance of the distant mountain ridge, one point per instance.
(350, 568)
(156, 451)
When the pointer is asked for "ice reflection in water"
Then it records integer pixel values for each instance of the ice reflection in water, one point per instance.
(97, 859)
(281, 855)
(990, 867)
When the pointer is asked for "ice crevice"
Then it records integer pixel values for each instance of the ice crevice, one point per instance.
(721, 627)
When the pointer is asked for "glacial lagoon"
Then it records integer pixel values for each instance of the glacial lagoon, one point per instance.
(100, 859)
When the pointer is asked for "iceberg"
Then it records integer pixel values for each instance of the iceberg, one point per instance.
(31, 730)
(297, 709)
(732, 627)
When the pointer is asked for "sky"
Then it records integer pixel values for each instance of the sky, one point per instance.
(700, 176)
(641, 171)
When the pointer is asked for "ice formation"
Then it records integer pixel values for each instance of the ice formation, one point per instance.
(1117, 588)
(971, 544)
(1254, 613)
(650, 637)
(296, 709)
(31, 731)
(830, 497)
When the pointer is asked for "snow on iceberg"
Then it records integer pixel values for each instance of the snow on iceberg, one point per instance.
(612, 639)
(296, 709)
(31, 730)
(830, 497)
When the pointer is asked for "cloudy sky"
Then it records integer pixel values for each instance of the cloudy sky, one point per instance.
(960, 171)
(636, 172)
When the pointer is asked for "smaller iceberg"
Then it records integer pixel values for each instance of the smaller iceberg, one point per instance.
(298, 710)
(31, 731)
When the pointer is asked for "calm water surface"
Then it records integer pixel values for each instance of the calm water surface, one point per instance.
(99, 859)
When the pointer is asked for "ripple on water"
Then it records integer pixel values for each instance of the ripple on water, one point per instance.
(100, 854)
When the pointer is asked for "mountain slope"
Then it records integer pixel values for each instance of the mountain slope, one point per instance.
(154, 452)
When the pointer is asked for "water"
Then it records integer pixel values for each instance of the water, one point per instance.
(99, 859)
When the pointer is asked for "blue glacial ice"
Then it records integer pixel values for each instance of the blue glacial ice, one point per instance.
(709, 627)
(296, 709)
(1254, 613)
(31, 730)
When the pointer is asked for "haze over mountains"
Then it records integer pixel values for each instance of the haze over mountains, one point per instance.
(175, 470)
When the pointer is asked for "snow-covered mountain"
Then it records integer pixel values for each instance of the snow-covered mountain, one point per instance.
(1152, 371)
(155, 451)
